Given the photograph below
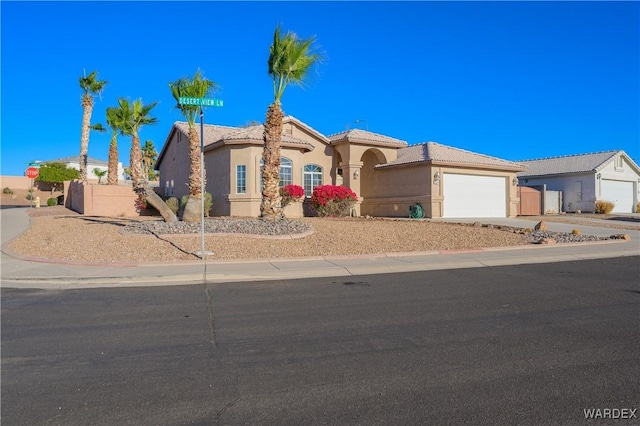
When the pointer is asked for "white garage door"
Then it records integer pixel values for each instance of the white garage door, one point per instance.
(618, 192)
(474, 196)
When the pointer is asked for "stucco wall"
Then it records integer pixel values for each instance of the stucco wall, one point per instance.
(175, 166)
(391, 191)
(101, 200)
(15, 182)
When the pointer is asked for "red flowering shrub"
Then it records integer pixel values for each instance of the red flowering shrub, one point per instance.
(333, 200)
(290, 193)
(141, 204)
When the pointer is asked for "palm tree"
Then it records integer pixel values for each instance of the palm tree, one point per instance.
(197, 87)
(149, 155)
(100, 174)
(116, 122)
(134, 116)
(290, 60)
(91, 86)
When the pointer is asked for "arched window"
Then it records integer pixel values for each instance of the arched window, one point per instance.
(312, 178)
(286, 172)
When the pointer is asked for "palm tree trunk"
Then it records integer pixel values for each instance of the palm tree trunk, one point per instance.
(193, 209)
(135, 160)
(270, 206)
(140, 185)
(157, 202)
(87, 106)
(194, 157)
(112, 178)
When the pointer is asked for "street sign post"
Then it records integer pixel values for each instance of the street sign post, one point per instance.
(201, 102)
(31, 173)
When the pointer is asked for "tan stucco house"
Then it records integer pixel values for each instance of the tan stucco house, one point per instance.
(387, 175)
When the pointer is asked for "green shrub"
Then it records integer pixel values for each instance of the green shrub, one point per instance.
(638, 207)
(52, 202)
(174, 204)
(333, 200)
(604, 207)
(7, 190)
(576, 231)
(30, 196)
(208, 203)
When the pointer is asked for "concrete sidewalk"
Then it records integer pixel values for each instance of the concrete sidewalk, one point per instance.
(17, 272)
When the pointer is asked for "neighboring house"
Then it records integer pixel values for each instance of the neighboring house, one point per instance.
(387, 175)
(92, 163)
(584, 178)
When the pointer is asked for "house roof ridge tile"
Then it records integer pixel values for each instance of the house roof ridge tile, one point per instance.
(612, 151)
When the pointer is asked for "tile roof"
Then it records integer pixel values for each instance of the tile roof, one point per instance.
(579, 163)
(365, 136)
(437, 153)
(76, 159)
(215, 133)
(291, 118)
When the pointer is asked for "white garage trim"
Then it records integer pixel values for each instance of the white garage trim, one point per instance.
(474, 196)
(620, 193)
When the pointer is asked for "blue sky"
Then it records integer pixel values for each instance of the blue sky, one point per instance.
(515, 80)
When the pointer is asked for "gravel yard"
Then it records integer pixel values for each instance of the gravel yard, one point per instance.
(60, 234)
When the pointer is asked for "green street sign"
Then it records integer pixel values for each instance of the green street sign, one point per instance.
(200, 101)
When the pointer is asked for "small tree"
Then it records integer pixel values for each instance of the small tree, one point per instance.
(55, 174)
(149, 156)
(100, 174)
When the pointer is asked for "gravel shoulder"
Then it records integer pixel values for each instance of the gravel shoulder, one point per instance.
(59, 234)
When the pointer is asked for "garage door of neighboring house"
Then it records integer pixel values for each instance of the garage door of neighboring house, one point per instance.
(474, 196)
(618, 192)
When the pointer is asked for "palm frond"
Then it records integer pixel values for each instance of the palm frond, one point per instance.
(196, 87)
(98, 127)
(290, 60)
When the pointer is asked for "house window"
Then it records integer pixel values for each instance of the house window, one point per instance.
(241, 179)
(312, 178)
(286, 172)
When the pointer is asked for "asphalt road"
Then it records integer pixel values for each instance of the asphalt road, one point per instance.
(529, 344)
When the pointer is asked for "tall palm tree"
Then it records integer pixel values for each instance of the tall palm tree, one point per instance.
(196, 87)
(90, 86)
(134, 116)
(290, 60)
(116, 122)
(149, 155)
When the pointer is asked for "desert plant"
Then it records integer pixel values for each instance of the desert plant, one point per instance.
(90, 86)
(208, 203)
(604, 207)
(174, 204)
(333, 200)
(7, 190)
(52, 202)
(30, 196)
(576, 231)
(100, 174)
(196, 87)
(290, 193)
(290, 61)
(638, 207)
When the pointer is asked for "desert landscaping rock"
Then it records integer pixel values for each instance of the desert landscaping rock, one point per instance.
(58, 234)
(251, 226)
